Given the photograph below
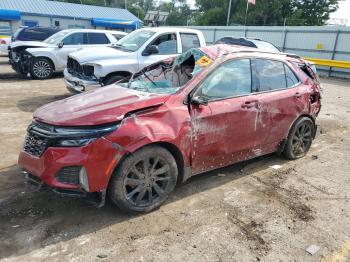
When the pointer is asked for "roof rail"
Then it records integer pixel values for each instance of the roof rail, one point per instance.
(265, 52)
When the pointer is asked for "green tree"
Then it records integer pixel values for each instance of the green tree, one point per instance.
(179, 12)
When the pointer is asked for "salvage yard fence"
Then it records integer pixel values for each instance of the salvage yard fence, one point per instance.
(327, 46)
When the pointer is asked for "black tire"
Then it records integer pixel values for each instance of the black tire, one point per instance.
(113, 79)
(41, 68)
(299, 139)
(135, 190)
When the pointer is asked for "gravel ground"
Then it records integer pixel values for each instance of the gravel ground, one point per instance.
(245, 212)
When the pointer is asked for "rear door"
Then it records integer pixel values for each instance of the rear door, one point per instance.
(224, 131)
(282, 99)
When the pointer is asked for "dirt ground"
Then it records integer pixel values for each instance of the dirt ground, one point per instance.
(246, 212)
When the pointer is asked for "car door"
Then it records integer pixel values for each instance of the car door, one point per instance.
(282, 99)
(167, 45)
(71, 43)
(223, 126)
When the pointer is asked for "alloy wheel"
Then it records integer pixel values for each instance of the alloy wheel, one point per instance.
(42, 69)
(302, 139)
(147, 181)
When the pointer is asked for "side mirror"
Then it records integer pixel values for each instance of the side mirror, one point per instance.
(197, 100)
(60, 45)
(151, 49)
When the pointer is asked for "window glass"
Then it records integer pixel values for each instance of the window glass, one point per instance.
(167, 44)
(189, 41)
(134, 40)
(98, 39)
(76, 39)
(291, 79)
(229, 80)
(270, 74)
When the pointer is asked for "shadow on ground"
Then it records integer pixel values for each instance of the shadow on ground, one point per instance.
(32, 220)
(32, 103)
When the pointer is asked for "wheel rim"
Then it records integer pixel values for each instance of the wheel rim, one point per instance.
(302, 139)
(147, 181)
(41, 69)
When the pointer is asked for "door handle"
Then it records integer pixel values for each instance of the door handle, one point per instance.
(297, 95)
(250, 104)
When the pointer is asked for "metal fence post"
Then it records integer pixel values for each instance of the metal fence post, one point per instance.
(284, 39)
(214, 35)
(334, 51)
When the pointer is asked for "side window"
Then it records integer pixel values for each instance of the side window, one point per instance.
(234, 78)
(271, 74)
(76, 39)
(98, 39)
(167, 44)
(291, 79)
(189, 41)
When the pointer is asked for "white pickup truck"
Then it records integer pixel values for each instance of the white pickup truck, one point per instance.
(92, 68)
(41, 59)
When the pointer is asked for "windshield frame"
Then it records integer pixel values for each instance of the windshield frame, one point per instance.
(58, 37)
(136, 33)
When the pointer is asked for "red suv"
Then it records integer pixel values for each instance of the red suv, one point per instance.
(208, 108)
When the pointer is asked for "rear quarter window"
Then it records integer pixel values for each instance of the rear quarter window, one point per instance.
(189, 41)
(271, 74)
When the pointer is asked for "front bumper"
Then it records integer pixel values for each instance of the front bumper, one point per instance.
(98, 158)
(77, 85)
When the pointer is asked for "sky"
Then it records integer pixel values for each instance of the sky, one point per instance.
(343, 12)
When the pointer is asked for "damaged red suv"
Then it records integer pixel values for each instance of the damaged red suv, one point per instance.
(208, 108)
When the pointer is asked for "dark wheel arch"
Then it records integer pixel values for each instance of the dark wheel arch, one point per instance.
(115, 76)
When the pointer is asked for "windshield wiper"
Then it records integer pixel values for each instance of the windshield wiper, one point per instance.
(118, 46)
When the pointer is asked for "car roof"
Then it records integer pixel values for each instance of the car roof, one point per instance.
(219, 50)
(94, 30)
(164, 29)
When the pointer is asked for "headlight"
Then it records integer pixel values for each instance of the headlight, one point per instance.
(71, 136)
(75, 137)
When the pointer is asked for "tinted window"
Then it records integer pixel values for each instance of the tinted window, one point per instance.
(270, 74)
(167, 44)
(228, 80)
(189, 41)
(76, 39)
(291, 79)
(98, 39)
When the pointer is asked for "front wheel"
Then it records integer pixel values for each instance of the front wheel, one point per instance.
(41, 68)
(144, 180)
(300, 139)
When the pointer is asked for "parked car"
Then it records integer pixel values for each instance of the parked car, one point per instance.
(42, 59)
(249, 42)
(208, 108)
(99, 67)
(4, 43)
(37, 33)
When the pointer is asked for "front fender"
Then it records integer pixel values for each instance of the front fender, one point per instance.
(171, 126)
(106, 67)
(43, 52)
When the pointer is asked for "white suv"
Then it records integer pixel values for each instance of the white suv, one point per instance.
(89, 69)
(41, 59)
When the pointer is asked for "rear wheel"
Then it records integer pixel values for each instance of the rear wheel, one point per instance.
(300, 138)
(144, 180)
(41, 68)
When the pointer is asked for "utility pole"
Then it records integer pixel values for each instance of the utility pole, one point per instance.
(229, 13)
(126, 5)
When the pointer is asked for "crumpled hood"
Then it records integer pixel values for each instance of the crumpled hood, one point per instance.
(96, 54)
(29, 44)
(101, 106)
